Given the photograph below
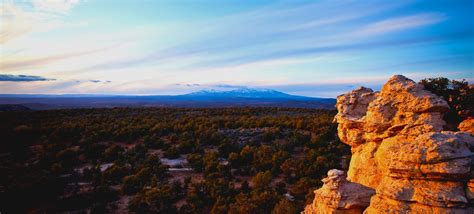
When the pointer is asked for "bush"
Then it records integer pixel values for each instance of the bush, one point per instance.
(285, 206)
(458, 94)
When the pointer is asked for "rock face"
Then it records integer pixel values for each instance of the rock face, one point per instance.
(399, 149)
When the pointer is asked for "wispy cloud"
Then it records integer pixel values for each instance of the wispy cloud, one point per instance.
(259, 33)
(43, 15)
(399, 24)
(188, 84)
(100, 81)
(15, 22)
(55, 6)
(287, 38)
(229, 86)
(22, 78)
(300, 55)
(18, 64)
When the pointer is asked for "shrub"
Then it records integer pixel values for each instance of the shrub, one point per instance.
(458, 94)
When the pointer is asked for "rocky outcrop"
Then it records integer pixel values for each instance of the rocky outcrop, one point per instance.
(399, 149)
(467, 125)
(339, 195)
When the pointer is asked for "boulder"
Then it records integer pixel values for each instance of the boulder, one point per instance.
(339, 195)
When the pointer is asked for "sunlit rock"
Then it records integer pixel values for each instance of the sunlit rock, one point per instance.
(399, 149)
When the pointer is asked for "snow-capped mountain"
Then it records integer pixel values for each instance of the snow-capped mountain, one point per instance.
(241, 93)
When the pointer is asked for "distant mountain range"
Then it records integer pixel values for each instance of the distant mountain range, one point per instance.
(241, 92)
(205, 98)
(250, 93)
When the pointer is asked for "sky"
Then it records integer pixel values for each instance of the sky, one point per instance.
(310, 48)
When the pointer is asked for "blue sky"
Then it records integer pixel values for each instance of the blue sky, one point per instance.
(312, 48)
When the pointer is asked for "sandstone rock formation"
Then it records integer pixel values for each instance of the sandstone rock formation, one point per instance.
(339, 195)
(467, 126)
(399, 149)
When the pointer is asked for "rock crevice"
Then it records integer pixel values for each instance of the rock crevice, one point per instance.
(402, 160)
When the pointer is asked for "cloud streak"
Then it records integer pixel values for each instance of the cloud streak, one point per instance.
(259, 32)
(55, 6)
(253, 58)
(44, 15)
(100, 81)
(18, 64)
(399, 24)
(22, 78)
(15, 22)
(287, 37)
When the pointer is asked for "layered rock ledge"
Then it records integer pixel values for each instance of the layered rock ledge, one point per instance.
(339, 195)
(401, 157)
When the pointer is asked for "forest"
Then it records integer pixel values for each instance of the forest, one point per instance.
(166, 160)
